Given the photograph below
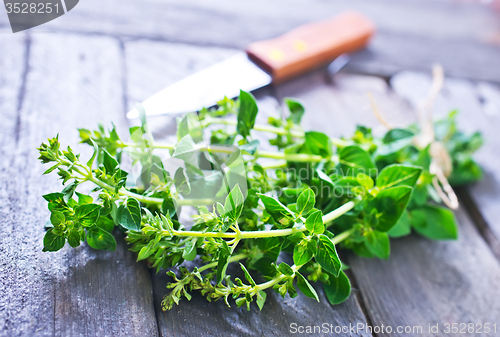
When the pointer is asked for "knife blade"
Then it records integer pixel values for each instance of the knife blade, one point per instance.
(272, 61)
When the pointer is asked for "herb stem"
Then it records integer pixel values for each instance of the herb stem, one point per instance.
(342, 236)
(278, 164)
(295, 157)
(259, 127)
(262, 234)
(272, 282)
(336, 239)
(233, 258)
(338, 212)
(272, 129)
(141, 198)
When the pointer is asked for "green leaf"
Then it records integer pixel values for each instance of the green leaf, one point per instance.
(277, 210)
(402, 227)
(285, 269)
(251, 147)
(306, 287)
(52, 168)
(186, 150)
(398, 175)
(434, 222)
(54, 197)
(296, 109)
(129, 215)
(105, 223)
(220, 208)
(314, 223)
(397, 134)
(395, 140)
(246, 114)
(305, 202)
(181, 181)
(261, 299)
(69, 190)
(142, 114)
(360, 249)
(326, 255)
(190, 125)
(65, 175)
(148, 249)
(168, 206)
(465, 171)
(301, 255)
(84, 199)
(391, 203)
(222, 263)
(98, 238)
(353, 160)
(94, 154)
(240, 301)
(338, 289)
(319, 143)
(378, 244)
(110, 163)
(364, 180)
(87, 214)
(424, 158)
(56, 218)
(270, 248)
(234, 203)
(247, 275)
(189, 253)
(74, 238)
(296, 237)
(52, 242)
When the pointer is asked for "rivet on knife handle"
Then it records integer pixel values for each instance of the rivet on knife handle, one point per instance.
(311, 45)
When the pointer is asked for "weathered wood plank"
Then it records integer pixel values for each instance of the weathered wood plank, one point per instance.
(167, 63)
(12, 56)
(198, 316)
(479, 107)
(427, 282)
(224, 22)
(423, 281)
(72, 82)
(459, 35)
(392, 52)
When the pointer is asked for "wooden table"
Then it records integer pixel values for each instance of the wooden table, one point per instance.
(97, 61)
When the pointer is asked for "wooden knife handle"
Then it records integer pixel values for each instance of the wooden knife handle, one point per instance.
(312, 45)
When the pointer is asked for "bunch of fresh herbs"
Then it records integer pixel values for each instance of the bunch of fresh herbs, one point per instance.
(312, 195)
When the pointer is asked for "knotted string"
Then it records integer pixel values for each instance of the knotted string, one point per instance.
(441, 163)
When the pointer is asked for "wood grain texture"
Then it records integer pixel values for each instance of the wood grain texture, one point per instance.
(225, 22)
(12, 55)
(428, 282)
(198, 317)
(412, 34)
(167, 63)
(424, 281)
(72, 82)
(392, 52)
(479, 109)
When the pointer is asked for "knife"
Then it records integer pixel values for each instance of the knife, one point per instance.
(305, 48)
